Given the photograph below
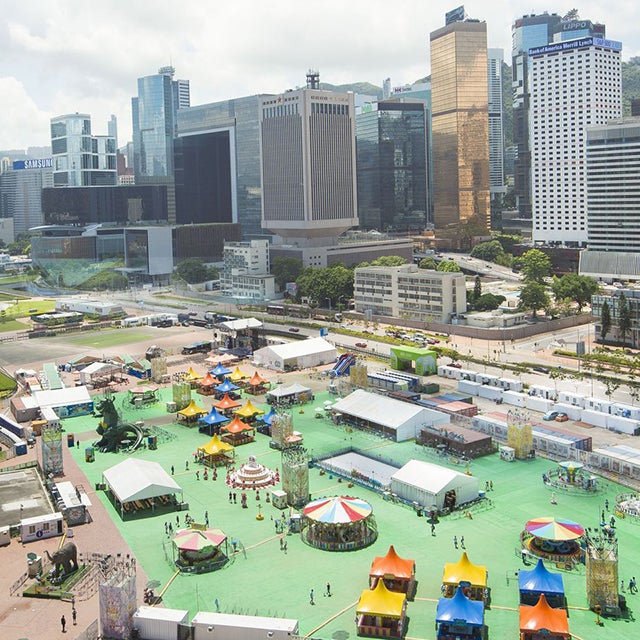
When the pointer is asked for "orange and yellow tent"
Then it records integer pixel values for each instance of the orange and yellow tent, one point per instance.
(249, 410)
(191, 410)
(464, 571)
(236, 426)
(226, 403)
(542, 616)
(215, 446)
(392, 565)
(381, 602)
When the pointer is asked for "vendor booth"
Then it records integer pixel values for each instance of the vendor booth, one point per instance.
(471, 577)
(249, 411)
(216, 453)
(211, 423)
(226, 405)
(191, 413)
(398, 574)
(460, 618)
(206, 385)
(237, 432)
(381, 613)
(540, 581)
(220, 371)
(227, 387)
(543, 621)
(257, 385)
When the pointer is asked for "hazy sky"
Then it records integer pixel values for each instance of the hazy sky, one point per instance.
(63, 56)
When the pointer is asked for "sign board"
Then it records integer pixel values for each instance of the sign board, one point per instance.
(44, 163)
(455, 15)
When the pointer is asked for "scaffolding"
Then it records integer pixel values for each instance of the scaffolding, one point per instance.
(519, 434)
(295, 475)
(281, 429)
(358, 375)
(602, 573)
(117, 605)
(181, 394)
(52, 463)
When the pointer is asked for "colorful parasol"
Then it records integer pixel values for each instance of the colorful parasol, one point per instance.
(552, 529)
(197, 540)
(337, 510)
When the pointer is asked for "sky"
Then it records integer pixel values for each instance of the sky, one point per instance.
(67, 56)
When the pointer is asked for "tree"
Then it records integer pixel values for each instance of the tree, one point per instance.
(605, 320)
(326, 284)
(535, 265)
(286, 270)
(487, 250)
(624, 316)
(385, 261)
(533, 296)
(574, 287)
(448, 266)
(191, 270)
(477, 288)
(427, 263)
(488, 302)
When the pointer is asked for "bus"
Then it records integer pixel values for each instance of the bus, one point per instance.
(204, 346)
(275, 310)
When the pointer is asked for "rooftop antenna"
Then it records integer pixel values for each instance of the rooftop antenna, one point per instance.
(313, 79)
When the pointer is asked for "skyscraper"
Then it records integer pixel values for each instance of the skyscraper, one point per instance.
(79, 158)
(391, 142)
(496, 132)
(460, 128)
(574, 84)
(307, 142)
(154, 124)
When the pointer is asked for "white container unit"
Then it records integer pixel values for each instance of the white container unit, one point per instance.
(511, 384)
(598, 404)
(489, 392)
(157, 623)
(469, 386)
(226, 626)
(515, 398)
(536, 403)
(574, 412)
(623, 425)
(40, 527)
(596, 418)
(574, 399)
(625, 410)
(488, 379)
(543, 392)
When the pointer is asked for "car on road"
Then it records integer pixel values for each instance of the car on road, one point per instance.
(540, 369)
(456, 365)
(294, 329)
(361, 345)
(550, 415)
(561, 417)
(432, 341)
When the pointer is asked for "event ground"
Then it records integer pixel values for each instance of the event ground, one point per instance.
(267, 581)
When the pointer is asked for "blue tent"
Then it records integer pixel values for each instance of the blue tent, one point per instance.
(226, 387)
(267, 417)
(460, 609)
(212, 420)
(219, 371)
(541, 581)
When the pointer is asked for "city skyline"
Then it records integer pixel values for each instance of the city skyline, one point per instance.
(68, 57)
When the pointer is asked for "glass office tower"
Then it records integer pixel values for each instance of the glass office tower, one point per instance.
(460, 128)
(391, 149)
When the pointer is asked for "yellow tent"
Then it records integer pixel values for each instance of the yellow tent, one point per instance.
(381, 602)
(464, 571)
(192, 410)
(237, 375)
(248, 410)
(215, 446)
(192, 375)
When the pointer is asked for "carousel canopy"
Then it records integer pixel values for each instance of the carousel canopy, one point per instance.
(381, 602)
(571, 465)
(540, 580)
(215, 446)
(542, 616)
(192, 375)
(192, 409)
(226, 387)
(213, 417)
(236, 426)
(143, 390)
(256, 380)
(248, 410)
(220, 371)
(337, 510)
(460, 608)
(226, 403)
(392, 564)
(552, 529)
(197, 540)
(465, 571)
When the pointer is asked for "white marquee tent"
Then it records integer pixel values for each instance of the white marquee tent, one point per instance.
(133, 480)
(400, 420)
(299, 355)
(428, 484)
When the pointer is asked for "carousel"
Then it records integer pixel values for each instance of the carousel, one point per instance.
(552, 539)
(338, 523)
(200, 550)
(571, 476)
(252, 475)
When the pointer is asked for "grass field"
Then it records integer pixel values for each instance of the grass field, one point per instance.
(12, 325)
(111, 338)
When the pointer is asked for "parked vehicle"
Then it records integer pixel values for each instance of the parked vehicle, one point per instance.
(361, 345)
(540, 369)
(294, 329)
(561, 417)
(550, 415)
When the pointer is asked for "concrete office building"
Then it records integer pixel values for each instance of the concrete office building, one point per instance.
(460, 129)
(391, 143)
(573, 84)
(81, 159)
(217, 153)
(308, 171)
(245, 273)
(419, 294)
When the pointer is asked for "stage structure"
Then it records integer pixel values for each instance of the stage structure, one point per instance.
(295, 475)
(602, 573)
(519, 434)
(52, 450)
(181, 394)
(118, 604)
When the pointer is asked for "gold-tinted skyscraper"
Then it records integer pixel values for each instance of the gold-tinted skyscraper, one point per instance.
(460, 127)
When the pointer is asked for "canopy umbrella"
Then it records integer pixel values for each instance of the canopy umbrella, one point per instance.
(197, 540)
(220, 371)
(226, 387)
(571, 465)
(153, 584)
(336, 510)
(552, 529)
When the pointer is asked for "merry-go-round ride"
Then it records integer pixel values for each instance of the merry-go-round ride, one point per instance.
(554, 540)
(572, 476)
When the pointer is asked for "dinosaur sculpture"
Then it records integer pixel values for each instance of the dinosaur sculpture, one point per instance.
(115, 434)
(64, 560)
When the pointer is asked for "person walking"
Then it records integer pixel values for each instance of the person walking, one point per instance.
(74, 614)
(462, 542)
(632, 585)
(311, 597)
(606, 506)
(433, 529)
(63, 624)
(328, 593)
(455, 541)
(173, 471)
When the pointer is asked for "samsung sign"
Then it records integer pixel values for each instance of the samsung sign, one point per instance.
(45, 163)
(576, 44)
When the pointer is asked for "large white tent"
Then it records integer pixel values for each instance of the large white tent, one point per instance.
(134, 480)
(296, 355)
(429, 484)
(397, 419)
